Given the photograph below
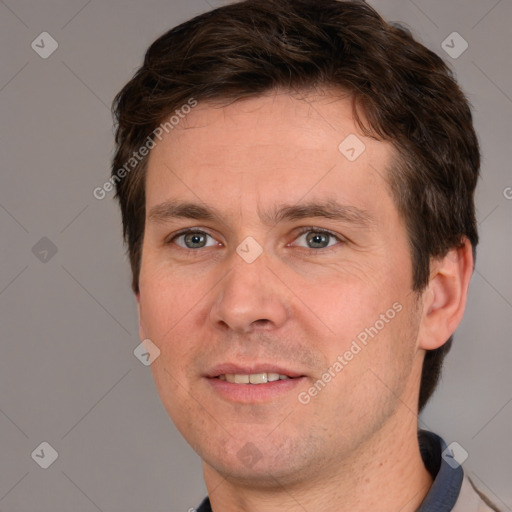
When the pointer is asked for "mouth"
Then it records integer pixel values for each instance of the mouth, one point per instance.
(253, 378)
(259, 384)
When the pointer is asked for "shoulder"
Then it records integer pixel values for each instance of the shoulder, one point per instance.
(472, 500)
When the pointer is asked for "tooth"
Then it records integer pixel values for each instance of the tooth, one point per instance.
(258, 378)
(254, 378)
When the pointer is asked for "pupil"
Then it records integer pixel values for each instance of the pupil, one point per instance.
(195, 238)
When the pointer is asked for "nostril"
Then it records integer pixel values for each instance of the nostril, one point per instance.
(262, 321)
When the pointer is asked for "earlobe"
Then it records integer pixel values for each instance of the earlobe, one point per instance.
(444, 300)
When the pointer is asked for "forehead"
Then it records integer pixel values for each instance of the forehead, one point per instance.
(273, 148)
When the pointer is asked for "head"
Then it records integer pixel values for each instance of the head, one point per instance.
(259, 70)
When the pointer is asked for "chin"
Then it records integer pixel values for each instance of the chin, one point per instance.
(262, 475)
(241, 462)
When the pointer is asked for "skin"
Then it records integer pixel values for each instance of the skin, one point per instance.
(354, 445)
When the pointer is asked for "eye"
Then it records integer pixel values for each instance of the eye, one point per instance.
(192, 239)
(316, 238)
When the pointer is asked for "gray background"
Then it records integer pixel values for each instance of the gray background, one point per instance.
(68, 375)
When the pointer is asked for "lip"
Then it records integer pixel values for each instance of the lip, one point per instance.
(224, 368)
(254, 393)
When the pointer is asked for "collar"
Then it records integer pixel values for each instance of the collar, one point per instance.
(445, 489)
(445, 471)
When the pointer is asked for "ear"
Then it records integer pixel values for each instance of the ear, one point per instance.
(142, 333)
(444, 299)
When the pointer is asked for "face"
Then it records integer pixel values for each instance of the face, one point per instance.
(269, 250)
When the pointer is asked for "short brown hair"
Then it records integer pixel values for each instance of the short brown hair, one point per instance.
(407, 93)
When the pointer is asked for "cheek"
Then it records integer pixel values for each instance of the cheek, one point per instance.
(165, 302)
(173, 312)
(374, 333)
(167, 315)
(390, 348)
(348, 304)
(377, 364)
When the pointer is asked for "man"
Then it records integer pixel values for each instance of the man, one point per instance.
(296, 181)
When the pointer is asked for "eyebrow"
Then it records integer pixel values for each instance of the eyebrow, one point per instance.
(328, 209)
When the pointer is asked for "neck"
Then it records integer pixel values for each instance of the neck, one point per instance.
(386, 473)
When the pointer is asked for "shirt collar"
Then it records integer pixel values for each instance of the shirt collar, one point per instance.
(445, 471)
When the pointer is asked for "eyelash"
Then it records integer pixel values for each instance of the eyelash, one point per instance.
(307, 229)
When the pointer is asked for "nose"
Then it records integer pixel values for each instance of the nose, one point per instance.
(250, 297)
